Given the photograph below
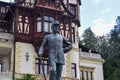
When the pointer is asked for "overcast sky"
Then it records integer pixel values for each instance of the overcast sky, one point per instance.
(100, 15)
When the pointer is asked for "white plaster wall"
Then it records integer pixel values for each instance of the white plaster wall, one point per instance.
(27, 66)
(98, 71)
(75, 59)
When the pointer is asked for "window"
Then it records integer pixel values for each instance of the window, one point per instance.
(86, 73)
(74, 74)
(73, 35)
(73, 9)
(81, 74)
(2, 30)
(46, 26)
(39, 25)
(42, 66)
(91, 75)
(47, 23)
(0, 65)
(2, 9)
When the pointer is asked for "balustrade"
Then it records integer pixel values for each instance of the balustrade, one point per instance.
(90, 55)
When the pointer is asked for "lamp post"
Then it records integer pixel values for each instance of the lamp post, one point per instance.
(14, 40)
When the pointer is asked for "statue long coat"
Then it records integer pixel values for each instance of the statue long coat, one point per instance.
(56, 51)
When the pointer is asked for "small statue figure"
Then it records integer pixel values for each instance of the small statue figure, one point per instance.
(55, 42)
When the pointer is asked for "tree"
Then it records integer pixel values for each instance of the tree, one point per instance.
(89, 39)
(112, 64)
(103, 46)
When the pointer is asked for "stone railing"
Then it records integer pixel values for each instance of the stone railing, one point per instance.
(90, 55)
(5, 76)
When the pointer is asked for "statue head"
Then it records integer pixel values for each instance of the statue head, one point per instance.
(55, 26)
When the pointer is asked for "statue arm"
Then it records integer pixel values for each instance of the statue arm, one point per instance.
(43, 45)
(68, 45)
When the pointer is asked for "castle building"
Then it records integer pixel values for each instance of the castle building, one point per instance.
(91, 64)
(23, 25)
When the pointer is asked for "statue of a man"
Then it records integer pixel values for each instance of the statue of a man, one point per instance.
(55, 42)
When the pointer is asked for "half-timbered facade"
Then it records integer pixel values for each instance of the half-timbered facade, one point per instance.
(24, 23)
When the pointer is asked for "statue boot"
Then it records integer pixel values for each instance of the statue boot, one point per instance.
(52, 75)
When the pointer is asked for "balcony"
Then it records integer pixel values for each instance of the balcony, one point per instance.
(49, 4)
(90, 55)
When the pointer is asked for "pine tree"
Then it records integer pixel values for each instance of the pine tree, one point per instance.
(112, 64)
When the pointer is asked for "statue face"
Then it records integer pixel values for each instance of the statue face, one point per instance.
(55, 28)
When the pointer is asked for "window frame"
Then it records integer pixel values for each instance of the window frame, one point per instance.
(87, 73)
(1, 65)
(73, 8)
(37, 21)
(74, 69)
(48, 21)
(73, 35)
(40, 66)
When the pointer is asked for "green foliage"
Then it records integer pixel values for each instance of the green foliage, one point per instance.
(112, 64)
(81, 79)
(89, 39)
(27, 77)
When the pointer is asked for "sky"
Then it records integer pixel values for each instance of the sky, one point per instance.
(99, 15)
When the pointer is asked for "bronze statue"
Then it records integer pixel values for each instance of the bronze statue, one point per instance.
(56, 51)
